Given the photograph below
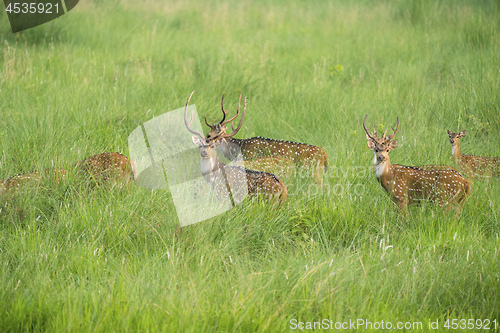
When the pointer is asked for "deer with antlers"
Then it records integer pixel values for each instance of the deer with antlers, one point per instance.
(470, 164)
(266, 154)
(224, 179)
(408, 185)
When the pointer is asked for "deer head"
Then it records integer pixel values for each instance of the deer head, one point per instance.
(206, 147)
(381, 146)
(208, 154)
(218, 131)
(455, 136)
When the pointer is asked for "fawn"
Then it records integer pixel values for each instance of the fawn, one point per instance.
(225, 179)
(268, 154)
(470, 164)
(408, 185)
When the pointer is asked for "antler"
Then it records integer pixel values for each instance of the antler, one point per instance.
(241, 119)
(186, 122)
(367, 133)
(222, 122)
(394, 131)
(224, 114)
(223, 117)
(213, 122)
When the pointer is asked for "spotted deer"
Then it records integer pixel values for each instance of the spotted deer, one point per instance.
(473, 165)
(97, 170)
(224, 179)
(262, 153)
(409, 185)
(104, 168)
(17, 182)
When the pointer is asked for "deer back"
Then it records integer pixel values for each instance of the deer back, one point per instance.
(106, 167)
(267, 184)
(410, 185)
(47, 176)
(480, 166)
(302, 153)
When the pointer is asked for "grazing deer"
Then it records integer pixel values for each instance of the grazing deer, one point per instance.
(224, 179)
(408, 185)
(35, 177)
(97, 169)
(106, 168)
(268, 152)
(470, 164)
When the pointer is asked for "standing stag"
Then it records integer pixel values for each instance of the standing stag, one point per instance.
(408, 185)
(470, 164)
(270, 154)
(225, 179)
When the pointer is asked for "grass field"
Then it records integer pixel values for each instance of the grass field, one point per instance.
(102, 260)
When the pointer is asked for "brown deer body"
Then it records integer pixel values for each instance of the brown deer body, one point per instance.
(97, 169)
(408, 185)
(19, 181)
(266, 152)
(470, 164)
(107, 168)
(224, 179)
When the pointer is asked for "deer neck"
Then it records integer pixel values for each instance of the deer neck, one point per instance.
(455, 152)
(210, 165)
(230, 148)
(383, 170)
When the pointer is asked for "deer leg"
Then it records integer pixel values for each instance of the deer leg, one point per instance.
(403, 209)
(403, 205)
(317, 177)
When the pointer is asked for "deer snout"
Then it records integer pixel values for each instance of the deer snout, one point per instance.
(452, 141)
(381, 158)
(204, 154)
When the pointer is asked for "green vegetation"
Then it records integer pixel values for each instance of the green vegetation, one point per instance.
(99, 260)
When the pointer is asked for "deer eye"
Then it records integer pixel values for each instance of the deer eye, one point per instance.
(376, 150)
(388, 150)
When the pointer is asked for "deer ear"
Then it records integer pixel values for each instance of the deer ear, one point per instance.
(393, 144)
(462, 134)
(370, 143)
(449, 133)
(196, 140)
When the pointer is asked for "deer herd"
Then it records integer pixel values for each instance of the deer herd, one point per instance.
(258, 164)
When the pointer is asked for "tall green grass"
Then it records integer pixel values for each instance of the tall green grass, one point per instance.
(75, 259)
